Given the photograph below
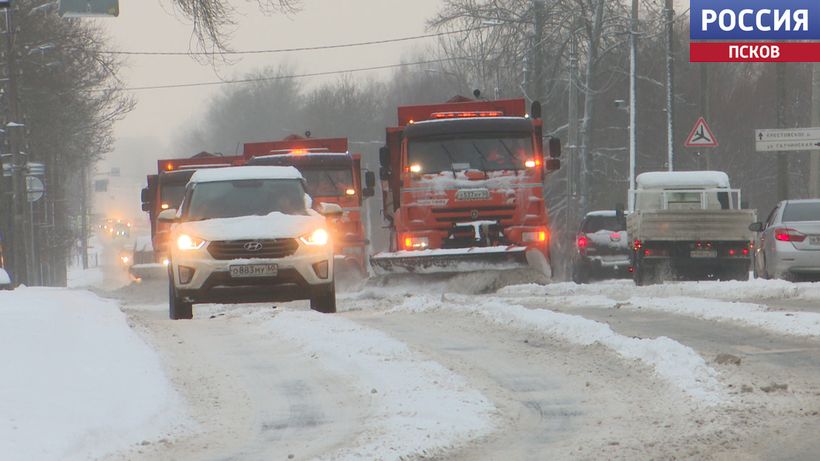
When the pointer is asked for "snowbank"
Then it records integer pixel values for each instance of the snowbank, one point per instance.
(677, 364)
(419, 406)
(77, 382)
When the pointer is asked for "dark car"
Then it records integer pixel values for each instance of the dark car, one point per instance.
(602, 248)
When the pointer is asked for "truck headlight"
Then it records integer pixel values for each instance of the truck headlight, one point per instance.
(187, 243)
(319, 237)
(416, 243)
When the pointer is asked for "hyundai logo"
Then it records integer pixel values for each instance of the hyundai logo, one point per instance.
(253, 246)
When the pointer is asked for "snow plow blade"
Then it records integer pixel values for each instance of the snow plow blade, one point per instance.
(149, 271)
(452, 261)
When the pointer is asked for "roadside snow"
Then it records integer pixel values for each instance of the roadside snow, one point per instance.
(419, 406)
(690, 299)
(677, 364)
(85, 278)
(77, 382)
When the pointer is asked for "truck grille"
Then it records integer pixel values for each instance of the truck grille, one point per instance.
(467, 214)
(248, 249)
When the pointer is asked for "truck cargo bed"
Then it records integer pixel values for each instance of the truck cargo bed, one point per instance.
(691, 225)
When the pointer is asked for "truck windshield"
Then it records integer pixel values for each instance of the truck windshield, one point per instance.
(327, 182)
(172, 187)
(256, 197)
(483, 153)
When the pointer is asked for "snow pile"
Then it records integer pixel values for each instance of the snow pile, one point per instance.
(791, 323)
(677, 364)
(85, 278)
(77, 382)
(419, 406)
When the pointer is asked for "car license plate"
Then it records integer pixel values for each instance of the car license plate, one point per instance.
(254, 270)
(703, 254)
(814, 239)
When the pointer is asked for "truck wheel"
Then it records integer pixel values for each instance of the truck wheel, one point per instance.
(177, 308)
(579, 274)
(646, 275)
(324, 299)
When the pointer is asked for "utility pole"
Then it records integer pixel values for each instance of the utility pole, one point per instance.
(705, 111)
(538, 50)
(633, 103)
(572, 130)
(814, 166)
(782, 157)
(669, 13)
(14, 132)
(84, 216)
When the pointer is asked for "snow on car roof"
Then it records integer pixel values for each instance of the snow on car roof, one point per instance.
(682, 180)
(239, 173)
(603, 213)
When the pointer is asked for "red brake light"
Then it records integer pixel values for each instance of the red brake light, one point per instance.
(637, 244)
(583, 242)
(786, 234)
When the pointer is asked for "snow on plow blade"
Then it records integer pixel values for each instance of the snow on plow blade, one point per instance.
(149, 271)
(451, 260)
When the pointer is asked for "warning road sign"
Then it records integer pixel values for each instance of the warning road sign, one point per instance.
(701, 135)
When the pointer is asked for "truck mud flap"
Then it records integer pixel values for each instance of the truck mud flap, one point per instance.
(450, 261)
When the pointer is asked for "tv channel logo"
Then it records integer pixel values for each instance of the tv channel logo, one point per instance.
(755, 31)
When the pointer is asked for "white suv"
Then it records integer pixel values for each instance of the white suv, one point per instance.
(248, 234)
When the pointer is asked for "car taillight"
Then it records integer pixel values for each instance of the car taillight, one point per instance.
(583, 242)
(785, 234)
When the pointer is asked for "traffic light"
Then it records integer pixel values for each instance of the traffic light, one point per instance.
(85, 8)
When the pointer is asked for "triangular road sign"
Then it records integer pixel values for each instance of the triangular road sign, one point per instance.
(701, 135)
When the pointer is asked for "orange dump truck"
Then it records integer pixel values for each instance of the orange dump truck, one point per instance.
(333, 175)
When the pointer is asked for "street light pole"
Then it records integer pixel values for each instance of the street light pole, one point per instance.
(633, 109)
(18, 164)
(669, 13)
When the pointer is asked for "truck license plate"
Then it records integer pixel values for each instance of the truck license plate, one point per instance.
(254, 270)
(473, 194)
(703, 254)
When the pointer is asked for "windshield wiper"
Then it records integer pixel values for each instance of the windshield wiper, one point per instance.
(483, 161)
(515, 168)
(452, 160)
(329, 178)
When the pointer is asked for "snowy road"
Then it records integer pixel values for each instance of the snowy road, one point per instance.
(602, 371)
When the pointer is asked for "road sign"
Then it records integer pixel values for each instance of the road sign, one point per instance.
(701, 135)
(5, 3)
(89, 8)
(34, 188)
(790, 139)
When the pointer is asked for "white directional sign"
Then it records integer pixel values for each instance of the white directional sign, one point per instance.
(790, 139)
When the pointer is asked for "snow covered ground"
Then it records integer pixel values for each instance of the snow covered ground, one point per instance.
(77, 382)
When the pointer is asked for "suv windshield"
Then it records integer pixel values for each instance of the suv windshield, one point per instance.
(807, 211)
(327, 182)
(483, 153)
(598, 223)
(255, 197)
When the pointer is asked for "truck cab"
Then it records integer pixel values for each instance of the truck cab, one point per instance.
(463, 188)
(332, 175)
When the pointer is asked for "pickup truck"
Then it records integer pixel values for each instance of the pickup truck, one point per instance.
(689, 225)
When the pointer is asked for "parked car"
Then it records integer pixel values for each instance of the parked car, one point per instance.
(249, 234)
(602, 248)
(789, 245)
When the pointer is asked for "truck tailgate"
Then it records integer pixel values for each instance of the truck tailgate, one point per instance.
(691, 225)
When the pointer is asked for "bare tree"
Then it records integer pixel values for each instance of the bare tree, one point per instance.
(211, 17)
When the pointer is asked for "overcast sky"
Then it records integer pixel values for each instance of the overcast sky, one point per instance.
(152, 25)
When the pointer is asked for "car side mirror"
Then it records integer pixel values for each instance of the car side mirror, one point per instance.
(555, 147)
(145, 196)
(552, 165)
(369, 180)
(619, 213)
(368, 192)
(168, 216)
(756, 227)
(330, 209)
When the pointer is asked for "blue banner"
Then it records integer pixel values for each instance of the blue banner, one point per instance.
(755, 20)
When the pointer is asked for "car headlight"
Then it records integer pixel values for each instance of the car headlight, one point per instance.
(186, 242)
(319, 237)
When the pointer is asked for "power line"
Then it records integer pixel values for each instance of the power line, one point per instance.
(284, 77)
(288, 50)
